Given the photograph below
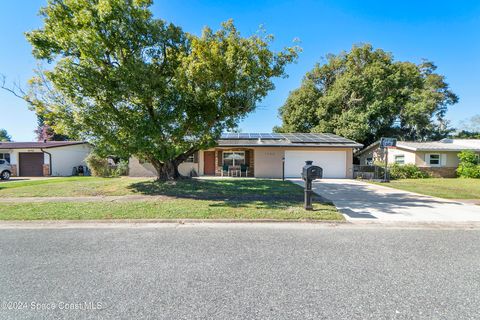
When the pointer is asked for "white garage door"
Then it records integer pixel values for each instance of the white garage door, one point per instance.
(333, 163)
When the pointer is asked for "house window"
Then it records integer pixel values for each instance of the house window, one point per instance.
(5, 156)
(190, 159)
(233, 158)
(434, 160)
(400, 159)
(369, 161)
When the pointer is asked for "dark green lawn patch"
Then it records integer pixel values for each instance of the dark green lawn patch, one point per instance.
(221, 189)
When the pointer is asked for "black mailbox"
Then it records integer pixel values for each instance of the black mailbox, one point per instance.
(310, 173)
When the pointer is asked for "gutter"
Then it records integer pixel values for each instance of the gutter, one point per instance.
(49, 161)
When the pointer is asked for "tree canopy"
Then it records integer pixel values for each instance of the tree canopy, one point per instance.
(365, 94)
(469, 129)
(4, 136)
(136, 85)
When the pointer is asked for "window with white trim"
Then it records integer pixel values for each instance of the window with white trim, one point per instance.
(400, 159)
(369, 161)
(5, 156)
(434, 159)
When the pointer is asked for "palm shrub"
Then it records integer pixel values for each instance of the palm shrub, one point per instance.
(468, 167)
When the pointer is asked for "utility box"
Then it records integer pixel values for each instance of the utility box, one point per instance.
(310, 173)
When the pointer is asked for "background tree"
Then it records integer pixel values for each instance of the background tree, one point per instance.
(135, 85)
(365, 94)
(4, 136)
(44, 132)
(469, 129)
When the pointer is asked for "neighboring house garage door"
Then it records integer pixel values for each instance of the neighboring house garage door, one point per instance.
(333, 163)
(31, 164)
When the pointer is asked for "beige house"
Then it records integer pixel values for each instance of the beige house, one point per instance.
(440, 158)
(50, 158)
(266, 155)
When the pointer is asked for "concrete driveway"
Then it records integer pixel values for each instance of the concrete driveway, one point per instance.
(361, 201)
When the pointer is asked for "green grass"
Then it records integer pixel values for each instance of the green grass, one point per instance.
(184, 199)
(68, 187)
(444, 188)
(166, 209)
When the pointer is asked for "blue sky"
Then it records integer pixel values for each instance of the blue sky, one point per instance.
(446, 32)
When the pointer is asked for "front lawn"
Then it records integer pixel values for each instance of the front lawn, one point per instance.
(68, 187)
(443, 188)
(184, 199)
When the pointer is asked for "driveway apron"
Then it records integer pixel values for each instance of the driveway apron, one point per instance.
(361, 201)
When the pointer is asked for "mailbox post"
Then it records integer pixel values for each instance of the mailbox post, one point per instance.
(310, 173)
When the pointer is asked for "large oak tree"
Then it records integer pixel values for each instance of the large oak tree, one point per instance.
(365, 94)
(136, 85)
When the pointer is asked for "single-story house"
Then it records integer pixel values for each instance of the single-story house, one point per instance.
(440, 158)
(49, 158)
(267, 155)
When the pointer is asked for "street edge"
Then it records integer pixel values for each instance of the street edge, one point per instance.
(232, 223)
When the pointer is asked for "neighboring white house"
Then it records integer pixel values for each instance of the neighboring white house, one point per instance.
(440, 158)
(266, 155)
(50, 158)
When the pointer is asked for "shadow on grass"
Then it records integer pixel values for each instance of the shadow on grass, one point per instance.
(238, 193)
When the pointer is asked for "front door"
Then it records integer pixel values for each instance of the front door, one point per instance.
(209, 163)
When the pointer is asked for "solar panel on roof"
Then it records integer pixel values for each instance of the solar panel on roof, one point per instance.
(292, 137)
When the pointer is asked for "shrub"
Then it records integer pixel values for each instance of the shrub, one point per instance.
(468, 157)
(468, 171)
(122, 168)
(407, 171)
(98, 165)
(468, 167)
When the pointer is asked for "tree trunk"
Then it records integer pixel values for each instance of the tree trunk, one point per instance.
(167, 171)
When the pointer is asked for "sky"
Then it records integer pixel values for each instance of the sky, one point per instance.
(445, 32)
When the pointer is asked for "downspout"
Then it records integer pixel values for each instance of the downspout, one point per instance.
(49, 161)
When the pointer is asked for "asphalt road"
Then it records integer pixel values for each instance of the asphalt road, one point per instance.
(239, 272)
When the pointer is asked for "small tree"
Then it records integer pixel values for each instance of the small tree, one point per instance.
(135, 85)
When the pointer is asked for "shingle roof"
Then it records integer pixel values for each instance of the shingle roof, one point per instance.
(37, 145)
(441, 145)
(285, 139)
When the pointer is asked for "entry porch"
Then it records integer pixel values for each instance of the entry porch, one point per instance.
(233, 162)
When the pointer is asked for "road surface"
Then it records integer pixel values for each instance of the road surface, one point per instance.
(239, 272)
